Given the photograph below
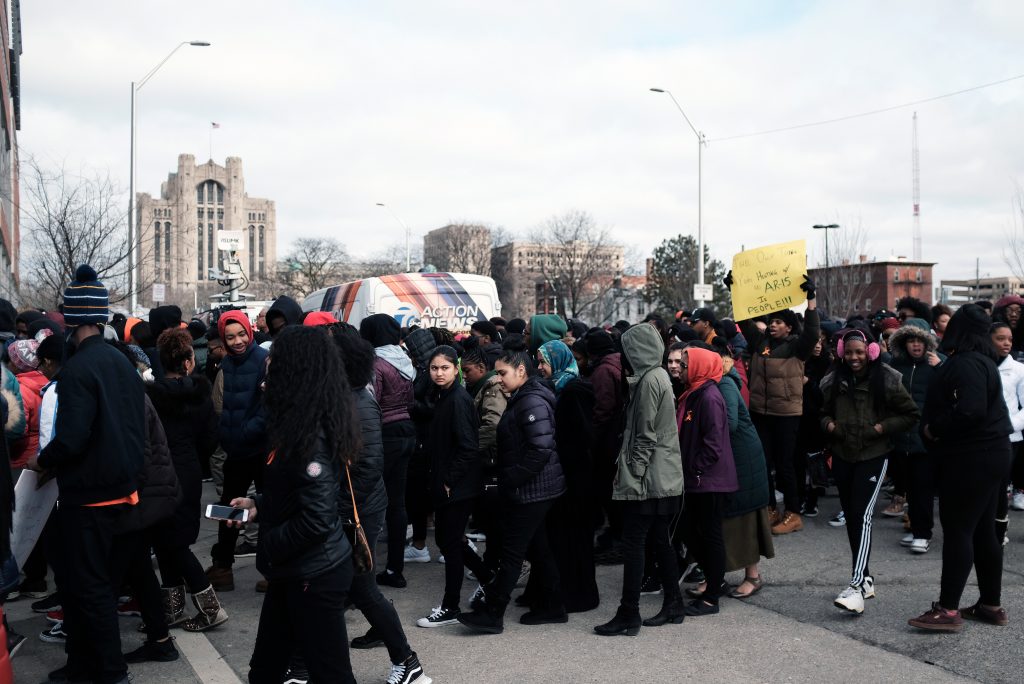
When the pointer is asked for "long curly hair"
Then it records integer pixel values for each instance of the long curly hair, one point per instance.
(308, 393)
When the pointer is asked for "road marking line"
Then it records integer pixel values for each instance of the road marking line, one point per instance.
(207, 663)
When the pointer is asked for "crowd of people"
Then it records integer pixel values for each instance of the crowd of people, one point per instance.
(678, 447)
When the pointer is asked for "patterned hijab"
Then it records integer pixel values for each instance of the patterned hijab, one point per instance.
(563, 364)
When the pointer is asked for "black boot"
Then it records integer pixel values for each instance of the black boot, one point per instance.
(490, 620)
(626, 622)
(153, 651)
(546, 615)
(672, 610)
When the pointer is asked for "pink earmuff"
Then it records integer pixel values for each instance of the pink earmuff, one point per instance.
(874, 350)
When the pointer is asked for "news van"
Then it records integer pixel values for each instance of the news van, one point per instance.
(429, 300)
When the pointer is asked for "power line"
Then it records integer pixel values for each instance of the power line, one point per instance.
(869, 113)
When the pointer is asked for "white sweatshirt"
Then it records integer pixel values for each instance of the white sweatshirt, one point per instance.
(1011, 372)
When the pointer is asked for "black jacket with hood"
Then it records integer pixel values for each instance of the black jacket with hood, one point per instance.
(453, 445)
(287, 308)
(917, 374)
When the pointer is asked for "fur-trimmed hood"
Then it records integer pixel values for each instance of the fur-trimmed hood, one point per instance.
(899, 339)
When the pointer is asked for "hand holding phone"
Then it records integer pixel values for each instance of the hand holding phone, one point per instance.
(227, 513)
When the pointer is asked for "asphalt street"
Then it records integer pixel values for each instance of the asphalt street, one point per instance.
(790, 631)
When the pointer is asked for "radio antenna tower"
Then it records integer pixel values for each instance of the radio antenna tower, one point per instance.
(916, 164)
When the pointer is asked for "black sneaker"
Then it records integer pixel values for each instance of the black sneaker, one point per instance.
(54, 635)
(439, 617)
(296, 675)
(245, 550)
(809, 510)
(153, 651)
(650, 586)
(369, 640)
(51, 602)
(409, 671)
(389, 578)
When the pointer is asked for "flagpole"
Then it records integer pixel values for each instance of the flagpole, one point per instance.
(211, 142)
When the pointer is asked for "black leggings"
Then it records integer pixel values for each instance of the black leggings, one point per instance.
(702, 516)
(970, 484)
(449, 530)
(179, 566)
(859, 484)
(399, 443)
(778, 437)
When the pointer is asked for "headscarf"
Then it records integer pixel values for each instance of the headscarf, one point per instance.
(563, 364)
(702, 366)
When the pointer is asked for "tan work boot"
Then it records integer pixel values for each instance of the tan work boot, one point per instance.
(896, 508)
(774, 517)
(791, 522)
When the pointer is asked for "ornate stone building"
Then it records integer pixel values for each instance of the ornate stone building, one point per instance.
(178, 230)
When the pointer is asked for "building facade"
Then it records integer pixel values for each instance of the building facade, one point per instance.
(459, 248)
(10, 124)
(178, 230)
(865, 286)
(957, 292)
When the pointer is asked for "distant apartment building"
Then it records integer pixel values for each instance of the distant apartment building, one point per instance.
(459, 248)
(864, 286)
(178, 230)
(958, 292)
(10, 124)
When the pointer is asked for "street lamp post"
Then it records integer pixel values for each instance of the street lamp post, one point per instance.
(701, 142)
(134, 235)
(408, 236)
(828, 269)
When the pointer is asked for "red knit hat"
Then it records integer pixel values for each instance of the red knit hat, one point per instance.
(890, 323)
(235, 317)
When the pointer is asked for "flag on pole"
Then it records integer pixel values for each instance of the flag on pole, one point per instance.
(214, 124)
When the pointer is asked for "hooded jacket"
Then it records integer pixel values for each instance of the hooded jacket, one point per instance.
(287, 308)
(777, 367)
(1011, 373)
(747, 452)
(703, 420)
(609, 400)
(528, 465)
(160, 319)
(31, 384)
(159, 491)
(917, 375)
(544, 328)
(453, 445)
(649, 465)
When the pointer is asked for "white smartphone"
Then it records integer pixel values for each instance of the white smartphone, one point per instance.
(216, 512)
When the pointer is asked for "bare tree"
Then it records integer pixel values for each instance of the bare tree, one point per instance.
(312, 264)
(845, 283)
(1013, 255)
(459, 248)
(70, 220)
(578, 261)
(388, 261)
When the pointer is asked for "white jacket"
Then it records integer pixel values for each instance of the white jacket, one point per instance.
(1011, 372)
(47, 414)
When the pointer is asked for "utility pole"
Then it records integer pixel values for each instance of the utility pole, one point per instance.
(828, 268)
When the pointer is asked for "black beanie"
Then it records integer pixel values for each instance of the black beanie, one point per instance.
(974, 319)
(380, 330)
(599, 343)
(517, 326)
(786, 316)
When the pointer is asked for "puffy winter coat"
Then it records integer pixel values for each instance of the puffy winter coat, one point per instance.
(242, 422)
(14, 426)
(917, 375)
(392, 389)
(777, 367)
(453, 445)
(705, 444)
(609, 400)
(490, 402)
(747, 452)
(31, 384)
(159, 492)
(528, 465)
(649, 464)
(367, 471)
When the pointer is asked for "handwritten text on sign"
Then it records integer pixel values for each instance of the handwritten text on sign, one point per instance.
(768, 279)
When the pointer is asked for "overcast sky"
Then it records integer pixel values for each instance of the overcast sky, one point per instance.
(508, 113)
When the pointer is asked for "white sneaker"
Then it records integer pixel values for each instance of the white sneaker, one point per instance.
(868, 587)
(414, 555)
(920, 545)
(440, 617)
(851, 599)
(440, 559)
(1017, 500)
(907, 540)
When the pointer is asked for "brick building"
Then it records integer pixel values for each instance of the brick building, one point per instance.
(865, 286)
(10, 124)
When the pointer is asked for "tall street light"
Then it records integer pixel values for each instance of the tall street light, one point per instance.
(828, 270)
(408, 236)
(134, 235)
(701, 142)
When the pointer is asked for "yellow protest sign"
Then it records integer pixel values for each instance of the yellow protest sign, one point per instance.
(768, 279)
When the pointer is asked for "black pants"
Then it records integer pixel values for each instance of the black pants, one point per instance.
(88, 595)
(523, 530)
(378, 611)
(899, 471)
(651, 531)
(179, 566)
(306, 617)
(778, 437)
(449, 530)
(702, 516)
(921, 494)
(238, 475)
(1018, 464)
(399, 443)
(130, 564)
(417, 496)
(967, 509)
(859, 484)
(487, 514)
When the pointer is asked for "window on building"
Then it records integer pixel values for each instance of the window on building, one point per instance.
(220, 214)
(252, 250)
(200, 197)
(867, 277)
(867, 304)
(199, 213)
(919, 276)
(220, 194)
(167, 244)
(156, 243)
(209, 214)
(263, 270)
(200, 271)
(896, 276)
(211, 259)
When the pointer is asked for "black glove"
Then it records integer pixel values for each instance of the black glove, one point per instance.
(808, 287)
(727, 280)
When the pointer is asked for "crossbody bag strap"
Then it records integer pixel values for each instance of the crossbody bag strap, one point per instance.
(351, 492)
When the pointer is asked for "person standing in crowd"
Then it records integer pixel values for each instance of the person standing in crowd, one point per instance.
(312, 430)
(24, 363)
(242, 432)
(283, 312)
(570, 523)
(370, 495)
(866, 406)
(420, 343)
(1011, 372)
(709, 470)
(544, 328)
(530, 480)
(810, 441)
(746, 532)
(915, 355)
(648, 482)
(940, 319)
(776, 397)
(966, 428)
(607, 378)
(183, 402)
(455, 478)
(1008, 310)
(912, 307)
(97, 455)
(703, 322)
(393, 375)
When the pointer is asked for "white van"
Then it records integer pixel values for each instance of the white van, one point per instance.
(430, 300)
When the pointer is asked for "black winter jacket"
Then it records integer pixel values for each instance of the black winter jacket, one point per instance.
(242, 422)
(917, 376)
(529, 469)
(186, 413)
(964, 408)
(301, 533)
(367, 478)
(453, 445)
(100, 432)
(159, 493)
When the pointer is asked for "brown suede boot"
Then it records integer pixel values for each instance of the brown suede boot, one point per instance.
(222, 579)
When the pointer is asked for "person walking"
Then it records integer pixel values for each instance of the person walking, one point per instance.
(866, 406)
(649, 483)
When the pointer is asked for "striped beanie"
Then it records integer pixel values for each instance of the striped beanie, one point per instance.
(85, 299)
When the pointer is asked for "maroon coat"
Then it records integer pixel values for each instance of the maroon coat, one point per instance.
(392, 391)
(708, 464)
(609, 400)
